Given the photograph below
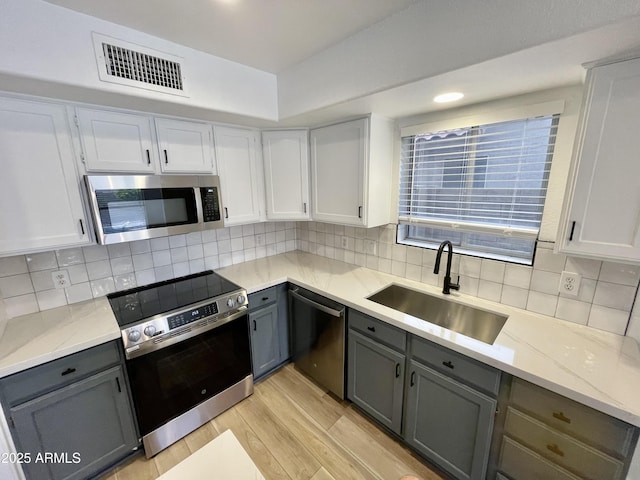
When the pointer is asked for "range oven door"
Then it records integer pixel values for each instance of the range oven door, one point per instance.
(168, 382)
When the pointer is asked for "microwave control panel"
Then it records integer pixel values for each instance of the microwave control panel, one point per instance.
(210, 204)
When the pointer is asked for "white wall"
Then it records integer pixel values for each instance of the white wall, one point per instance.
(49, 43)
(431, 38)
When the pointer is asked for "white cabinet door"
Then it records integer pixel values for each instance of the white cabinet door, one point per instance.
(286, 174)
(39, 186)
(338, 156)
(117, 142)
(603, 218)
(185, 147)
(240, 175)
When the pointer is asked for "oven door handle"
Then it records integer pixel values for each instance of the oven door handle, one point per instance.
(323, 308)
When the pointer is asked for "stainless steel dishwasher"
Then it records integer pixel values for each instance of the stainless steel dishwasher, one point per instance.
(317, 338)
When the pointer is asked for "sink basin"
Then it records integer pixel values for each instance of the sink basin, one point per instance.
(472, 322)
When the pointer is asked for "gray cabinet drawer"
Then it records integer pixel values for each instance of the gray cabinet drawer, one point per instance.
(520, 463)
(50, 376)
(613, 436)
(383, 332)
(561, 448)
(456, 365)
(262, 298)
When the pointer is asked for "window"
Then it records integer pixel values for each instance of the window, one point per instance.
(482, 187)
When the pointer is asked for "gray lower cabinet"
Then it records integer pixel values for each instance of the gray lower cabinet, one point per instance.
(448, 422)
(87, 426)
(72, 416)
(265, 343)
(375, 379)
(268, 321)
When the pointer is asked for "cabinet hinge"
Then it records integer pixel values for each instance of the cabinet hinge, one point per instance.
(75, 120)
(82, 157)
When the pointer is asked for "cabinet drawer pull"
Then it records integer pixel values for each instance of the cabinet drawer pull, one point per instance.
(397, 370)
(554, 448)
(371, 329)
(255, 326)
(118, 384)
(68, 371)
(264, 299)
(166, 158)
(148, 157)
(413, 379)
(560, 416)
(448, 364)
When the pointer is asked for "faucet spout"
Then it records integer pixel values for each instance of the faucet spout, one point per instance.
(448, 285)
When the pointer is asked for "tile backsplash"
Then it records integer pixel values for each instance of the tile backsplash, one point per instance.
(605, 297)
(27, 286)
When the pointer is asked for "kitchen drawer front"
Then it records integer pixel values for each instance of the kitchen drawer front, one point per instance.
(520, 463)
(608, 434)
(44, 378)
(561, 448)
(454, 364)
(262, 298)
(378, 330)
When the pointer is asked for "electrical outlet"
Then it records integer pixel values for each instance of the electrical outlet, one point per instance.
(569, 283)
(370, 247)
(60, 279)
(344, 242)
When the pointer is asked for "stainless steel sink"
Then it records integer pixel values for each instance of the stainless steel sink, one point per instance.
(472, 322)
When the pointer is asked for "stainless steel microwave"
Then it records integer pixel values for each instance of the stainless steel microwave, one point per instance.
(136, 207)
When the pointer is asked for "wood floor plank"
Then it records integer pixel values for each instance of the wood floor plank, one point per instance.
(290, 370)
(170, 457)
(296, 460)
(329, 453)
(407, 456)
(322, 474)
(139, 468)
(257, 450)
(377, 458)
(324, 409)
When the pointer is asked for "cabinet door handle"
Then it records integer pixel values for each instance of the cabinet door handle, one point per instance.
(255, 326)
(448, 364)
(81, 227)
(226, 212)
(166, 158)
(413, 379)
(573, 228)
(118, 384)
(68, 371)
(371, 329)
(560, 416)
(264, 299)
(397, 370)
(360, 211)
(304, 207)
(148, 157)
(555, 449)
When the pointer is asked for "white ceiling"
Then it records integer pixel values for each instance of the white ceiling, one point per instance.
(269, 35)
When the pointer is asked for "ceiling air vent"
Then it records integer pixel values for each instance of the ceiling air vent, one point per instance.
(132, 65)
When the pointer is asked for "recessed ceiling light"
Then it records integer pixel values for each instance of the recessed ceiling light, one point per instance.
(448, 97)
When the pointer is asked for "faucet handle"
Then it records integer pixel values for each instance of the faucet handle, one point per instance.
(455, 286)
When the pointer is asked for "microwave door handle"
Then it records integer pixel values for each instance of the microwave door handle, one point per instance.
(199, 210)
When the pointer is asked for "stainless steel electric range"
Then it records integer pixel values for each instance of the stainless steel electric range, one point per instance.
(188, 354)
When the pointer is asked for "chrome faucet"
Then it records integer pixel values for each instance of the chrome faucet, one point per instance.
(447, 276)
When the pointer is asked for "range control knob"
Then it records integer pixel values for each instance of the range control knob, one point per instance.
(240, 299)
(134, 335)
(230, 303)
(150, 331)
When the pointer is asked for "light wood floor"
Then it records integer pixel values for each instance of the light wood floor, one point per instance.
(294, 430)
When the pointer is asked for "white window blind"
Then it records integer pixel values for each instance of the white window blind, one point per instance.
(489, 181)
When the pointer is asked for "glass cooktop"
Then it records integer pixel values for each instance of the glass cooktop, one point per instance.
(140, 303)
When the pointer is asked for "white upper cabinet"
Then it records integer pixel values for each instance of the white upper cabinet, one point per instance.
(39, 188)
(240, 175)
(117, 142)
(351, 172)
(602, 210)
(185, 147)
(286, 174)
